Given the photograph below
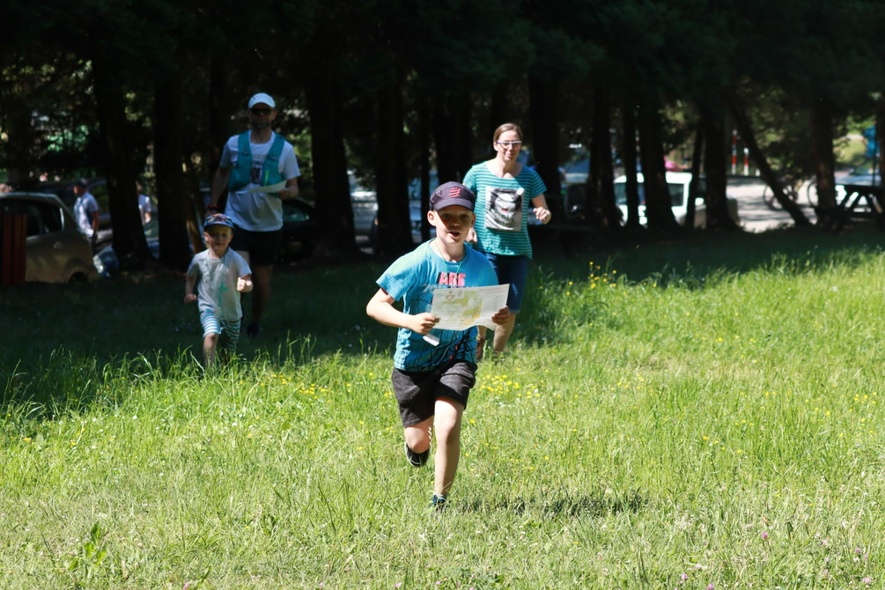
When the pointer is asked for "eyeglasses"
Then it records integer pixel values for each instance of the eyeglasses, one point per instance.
(510, 144)
(261, 110)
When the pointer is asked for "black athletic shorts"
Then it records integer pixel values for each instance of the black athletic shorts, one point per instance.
(263, 246)
(417, 391)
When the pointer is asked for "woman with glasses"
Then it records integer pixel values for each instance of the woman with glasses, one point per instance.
(505, 193)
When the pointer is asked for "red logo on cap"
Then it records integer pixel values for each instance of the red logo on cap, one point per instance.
(454, 192)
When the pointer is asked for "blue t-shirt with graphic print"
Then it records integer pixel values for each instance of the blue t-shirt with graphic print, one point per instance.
(412, 279)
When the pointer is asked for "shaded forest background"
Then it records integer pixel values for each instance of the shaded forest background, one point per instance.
(392, 90)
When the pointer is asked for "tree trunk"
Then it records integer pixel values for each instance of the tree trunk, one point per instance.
(330, 182)
(824, 160)
(658, 208)
(446, 158)
(606, 183)
(765, 170)
(219, 131)
(453, 137)
(500, 109)
(20, 138)
(464, 137)
(129, 242)
(394, 228)
(545, 138)
(880, 135)
(595, 211)
(631, 164)
(715, 168)
(175, 204)
(425, 116)
(218, 115)
(696, 155)
(600, 181)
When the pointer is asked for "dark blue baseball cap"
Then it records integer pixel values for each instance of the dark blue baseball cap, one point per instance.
(452, 193)
(218, 219)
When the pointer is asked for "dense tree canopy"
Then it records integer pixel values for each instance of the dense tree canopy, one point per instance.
(391, 89)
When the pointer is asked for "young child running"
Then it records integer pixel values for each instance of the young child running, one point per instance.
(432, 382)
(221, 275)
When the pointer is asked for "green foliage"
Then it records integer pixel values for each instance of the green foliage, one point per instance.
(677, 415)
(681, 51)
(85, 567)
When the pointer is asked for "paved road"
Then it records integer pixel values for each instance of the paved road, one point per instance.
(755, 215)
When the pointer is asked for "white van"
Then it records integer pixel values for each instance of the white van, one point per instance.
(677, 183)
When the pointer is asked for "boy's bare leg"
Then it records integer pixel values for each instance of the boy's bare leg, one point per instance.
(502, 334)
(210, 343)
(418, 436)
(447, 428)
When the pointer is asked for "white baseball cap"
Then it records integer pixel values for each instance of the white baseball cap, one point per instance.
(262, 98)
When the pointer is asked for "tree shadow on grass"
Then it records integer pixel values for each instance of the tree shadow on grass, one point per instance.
(66, 341)
(696, 255)
(568, 505)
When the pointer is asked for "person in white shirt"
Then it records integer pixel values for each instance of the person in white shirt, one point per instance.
(145, 205)
(257, 159)
(86, 210)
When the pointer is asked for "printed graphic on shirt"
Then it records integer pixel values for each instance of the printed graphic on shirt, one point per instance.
(504, 209)
(451, 279)
(255, 173)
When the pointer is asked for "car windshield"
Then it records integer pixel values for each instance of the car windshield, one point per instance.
(43, 218)
(677, 192)
(677, 195)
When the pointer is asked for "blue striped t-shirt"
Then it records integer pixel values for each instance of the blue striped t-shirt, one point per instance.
(499, 228)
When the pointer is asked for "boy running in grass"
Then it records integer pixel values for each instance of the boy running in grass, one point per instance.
(432, 382)
(221, 275)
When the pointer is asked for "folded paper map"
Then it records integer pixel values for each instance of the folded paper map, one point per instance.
(273, 188)
(461, 308)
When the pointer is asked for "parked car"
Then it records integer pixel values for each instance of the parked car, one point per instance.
(678, 184)
(576, 172)
(106, 262)
(300, 227)
(98, 187)
(415, 186)
(364, 203)
(56, 251)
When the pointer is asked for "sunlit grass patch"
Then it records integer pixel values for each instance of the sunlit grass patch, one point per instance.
(654, 424)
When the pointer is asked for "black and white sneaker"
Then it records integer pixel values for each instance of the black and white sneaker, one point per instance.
(416, 459)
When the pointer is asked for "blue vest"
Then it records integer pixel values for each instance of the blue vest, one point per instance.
(241, 174)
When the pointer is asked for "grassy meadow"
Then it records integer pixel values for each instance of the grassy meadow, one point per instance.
(701, 413)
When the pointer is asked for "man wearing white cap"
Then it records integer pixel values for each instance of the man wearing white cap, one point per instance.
(250, 163)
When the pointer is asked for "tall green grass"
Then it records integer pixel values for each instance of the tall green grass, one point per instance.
(697, 414)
